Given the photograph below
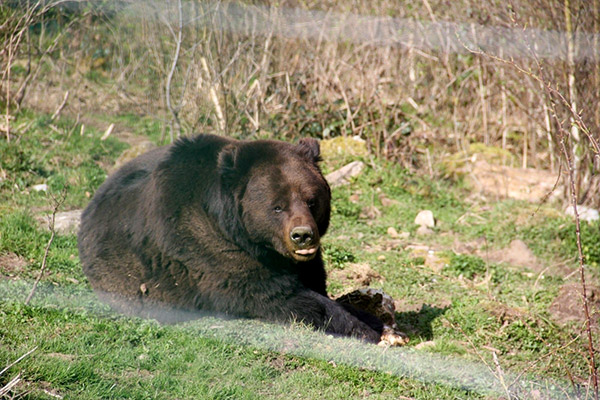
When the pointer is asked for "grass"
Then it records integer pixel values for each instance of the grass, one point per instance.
(57, 155)
(459, 306)
(96, 355)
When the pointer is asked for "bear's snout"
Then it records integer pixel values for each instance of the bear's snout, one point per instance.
(303, 242)
(302, 236)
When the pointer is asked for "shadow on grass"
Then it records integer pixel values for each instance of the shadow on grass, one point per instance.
(418, 323)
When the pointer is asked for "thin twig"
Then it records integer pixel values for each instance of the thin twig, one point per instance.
(174, 112)
(500, 373)
(12, 45)
(563, 134)
(17, 360)
(30, 77)
(588, 320)
(57, 204)
(62, 105)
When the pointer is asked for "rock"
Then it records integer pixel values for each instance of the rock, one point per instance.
(342, 176)
(381, 258)
(67, 222)
(585, 213)
(392, 232)
(568, 305)
(143, 288)
(424, 231)
(425, 218)
(40, 188)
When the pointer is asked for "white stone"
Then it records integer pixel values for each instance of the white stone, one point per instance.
(67, 221)
(342, 176)
(42, 187)
(425, 218)
(585, 213)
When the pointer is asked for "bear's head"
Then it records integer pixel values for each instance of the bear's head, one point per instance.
(282, 199)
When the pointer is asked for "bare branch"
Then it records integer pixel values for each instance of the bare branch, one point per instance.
(172, 109)
(213, 95)
(57, 204)
(62, 105)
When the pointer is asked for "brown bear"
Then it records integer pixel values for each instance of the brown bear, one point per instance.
(212, 224)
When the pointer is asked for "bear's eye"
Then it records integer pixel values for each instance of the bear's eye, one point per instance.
(311, 203)
(277, 209)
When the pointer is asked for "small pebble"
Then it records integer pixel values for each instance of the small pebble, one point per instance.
(392, 232)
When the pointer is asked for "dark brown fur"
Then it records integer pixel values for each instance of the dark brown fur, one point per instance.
(204, 225)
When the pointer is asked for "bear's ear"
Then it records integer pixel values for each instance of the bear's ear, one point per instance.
(227, 163)
(310, 148)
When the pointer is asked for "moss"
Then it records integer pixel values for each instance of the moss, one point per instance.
(455, 165)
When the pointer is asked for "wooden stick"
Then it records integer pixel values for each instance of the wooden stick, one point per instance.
(62, 105)
(108, 132)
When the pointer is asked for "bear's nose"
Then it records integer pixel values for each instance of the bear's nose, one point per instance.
(302, 235)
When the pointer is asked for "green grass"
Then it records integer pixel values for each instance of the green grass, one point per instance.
(96, 355)
(462, 308)
(53, 153)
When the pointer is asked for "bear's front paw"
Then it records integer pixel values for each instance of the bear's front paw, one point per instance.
(392, 337)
